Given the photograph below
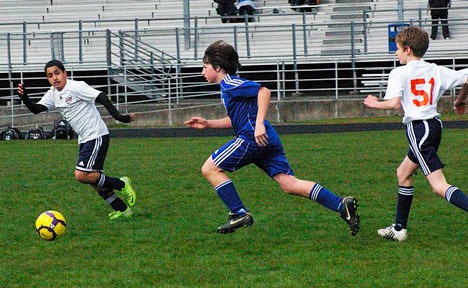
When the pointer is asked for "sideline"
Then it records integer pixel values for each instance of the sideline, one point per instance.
(280, 128)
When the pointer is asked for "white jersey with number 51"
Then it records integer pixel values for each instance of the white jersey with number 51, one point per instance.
(420, 85)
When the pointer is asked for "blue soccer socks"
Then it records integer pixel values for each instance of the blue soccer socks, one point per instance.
(405, 198)
(228, 194)
(325, 198)
(456, 197)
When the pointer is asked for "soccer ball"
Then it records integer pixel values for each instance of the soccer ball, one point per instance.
(50, 225)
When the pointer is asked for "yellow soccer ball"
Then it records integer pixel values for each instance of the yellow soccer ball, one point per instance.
(50, 225)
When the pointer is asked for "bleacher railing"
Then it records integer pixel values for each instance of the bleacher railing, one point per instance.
(146, 65)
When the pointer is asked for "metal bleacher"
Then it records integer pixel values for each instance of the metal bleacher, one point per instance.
(328, 25)
(339, 49)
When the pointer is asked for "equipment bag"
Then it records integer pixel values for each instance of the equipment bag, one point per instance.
(36, 134)
(62, 130)
(11, 133)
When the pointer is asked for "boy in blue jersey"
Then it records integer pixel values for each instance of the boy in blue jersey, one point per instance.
(256, 142)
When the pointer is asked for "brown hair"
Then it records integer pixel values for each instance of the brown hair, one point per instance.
(220, 54)
(415, 38)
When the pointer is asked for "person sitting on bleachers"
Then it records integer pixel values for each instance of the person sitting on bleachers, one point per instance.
(309, 3)
(246, 7)
(226, 9)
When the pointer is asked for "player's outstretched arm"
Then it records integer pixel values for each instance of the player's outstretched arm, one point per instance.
(202, 123)
(197, 123)
(373, 102)
(102, 98)
(460, 102)
(33, 107)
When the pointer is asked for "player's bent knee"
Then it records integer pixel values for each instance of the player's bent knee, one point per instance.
(82, 177)
(440, 190)
(288, 190)
(403, 176)
(286, 187)
(208, 169)
(286, 183)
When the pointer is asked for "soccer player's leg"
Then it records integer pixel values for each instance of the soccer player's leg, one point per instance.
(120, 208)
(397, 231)
(91, 158)
(279, 169)
(424, 139)
(230, 157)
(347, 206)
(90, 164)
(451, 193)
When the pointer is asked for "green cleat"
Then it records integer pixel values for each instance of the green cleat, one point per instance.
(117, 214)
(128, 192)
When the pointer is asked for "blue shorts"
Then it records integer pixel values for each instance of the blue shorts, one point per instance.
(424, 138)
(239, 152)
(92, 154)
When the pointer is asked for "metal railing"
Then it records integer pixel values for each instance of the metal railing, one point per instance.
(337, 80)
(154, 68)
(306, 42)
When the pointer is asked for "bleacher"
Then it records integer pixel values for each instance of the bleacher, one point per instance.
(41, 11)
(319, 42)
(328, 26)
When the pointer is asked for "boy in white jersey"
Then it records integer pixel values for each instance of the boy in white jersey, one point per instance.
(416, 87)
(75, 100)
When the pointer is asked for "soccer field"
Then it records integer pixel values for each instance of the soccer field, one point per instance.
(171, 239)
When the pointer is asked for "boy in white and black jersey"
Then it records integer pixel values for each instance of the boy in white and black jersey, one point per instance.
(75, 100)
(417, 87)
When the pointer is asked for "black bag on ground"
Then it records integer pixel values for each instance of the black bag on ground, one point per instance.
(11, 133)
(62, 130)
(36, 134)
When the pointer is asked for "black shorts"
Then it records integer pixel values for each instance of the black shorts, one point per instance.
(92, 154)
(424, 137)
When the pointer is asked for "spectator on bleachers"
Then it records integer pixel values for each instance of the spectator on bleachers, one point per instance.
(439, 12)
(227, 10)
(309, 3)
(246, 7)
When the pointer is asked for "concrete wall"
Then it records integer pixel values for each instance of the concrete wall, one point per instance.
(290, 111)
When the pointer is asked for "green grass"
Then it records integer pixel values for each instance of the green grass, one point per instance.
(171, 241)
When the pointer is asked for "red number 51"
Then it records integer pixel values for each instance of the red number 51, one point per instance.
(421, 93)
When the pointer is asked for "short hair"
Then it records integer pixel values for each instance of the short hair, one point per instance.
(53, 63)
(415, 38)
(221, 54)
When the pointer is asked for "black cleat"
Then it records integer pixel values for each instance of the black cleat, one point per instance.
(350, 214)
(235, 221)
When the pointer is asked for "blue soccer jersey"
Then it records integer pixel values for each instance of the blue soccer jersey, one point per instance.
(240, 98)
